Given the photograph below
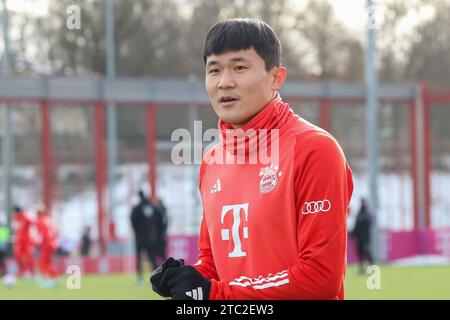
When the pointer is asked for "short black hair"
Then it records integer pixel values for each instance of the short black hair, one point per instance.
(241, 34)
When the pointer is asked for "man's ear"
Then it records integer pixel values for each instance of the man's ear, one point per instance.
(279, 77)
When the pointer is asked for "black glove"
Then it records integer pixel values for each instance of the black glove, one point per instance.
(186, 283)
(156, 279)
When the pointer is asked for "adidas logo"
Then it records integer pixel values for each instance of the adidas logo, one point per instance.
(216, 187)
(196, 294)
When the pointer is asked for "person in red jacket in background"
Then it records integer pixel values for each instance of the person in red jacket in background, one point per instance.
(23, 244)
(273, 227)
(48, 245)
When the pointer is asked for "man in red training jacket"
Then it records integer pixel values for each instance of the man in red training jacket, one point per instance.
(271, 229)
(48, 244)
(23, 244)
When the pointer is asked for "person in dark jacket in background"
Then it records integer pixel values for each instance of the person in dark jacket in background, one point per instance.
(361, 233)
(144, 220)
(162, 226)
(85, 246)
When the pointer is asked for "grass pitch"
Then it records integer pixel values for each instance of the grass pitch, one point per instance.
(92, 287)
(406, 283)
(395, 283)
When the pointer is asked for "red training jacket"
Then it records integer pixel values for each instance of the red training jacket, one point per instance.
(48, 232)
(275, 230)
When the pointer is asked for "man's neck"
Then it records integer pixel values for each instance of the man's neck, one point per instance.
(237, 126)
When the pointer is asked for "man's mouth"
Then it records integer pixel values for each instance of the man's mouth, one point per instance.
(227, 99)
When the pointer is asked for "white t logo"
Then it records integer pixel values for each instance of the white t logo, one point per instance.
(236, 208)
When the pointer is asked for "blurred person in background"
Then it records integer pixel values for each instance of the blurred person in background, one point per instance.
(48, 246)
(4, 242)
(144, 221)
(85, 245)
(361, 234)
(162, 221)
(23, 244)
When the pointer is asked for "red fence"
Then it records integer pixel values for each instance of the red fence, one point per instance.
(412, 146)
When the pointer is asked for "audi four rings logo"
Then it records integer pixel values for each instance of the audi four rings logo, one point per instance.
(316, 206)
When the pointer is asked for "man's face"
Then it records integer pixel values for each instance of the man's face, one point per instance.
(239, 85)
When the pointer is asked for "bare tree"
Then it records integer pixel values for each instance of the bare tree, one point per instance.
(429, 57)
(324, 40)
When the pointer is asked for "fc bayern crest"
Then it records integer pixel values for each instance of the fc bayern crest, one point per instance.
(269, 178)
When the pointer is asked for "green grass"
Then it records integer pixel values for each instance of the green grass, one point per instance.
(396, 283)
(98, 287)
(401, 283)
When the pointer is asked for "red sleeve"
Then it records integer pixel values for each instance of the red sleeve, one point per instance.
(205, 264)
(42, 229)
(321, 174)
(28, 221)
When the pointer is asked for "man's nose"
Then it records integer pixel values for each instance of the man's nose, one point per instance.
(227, 80)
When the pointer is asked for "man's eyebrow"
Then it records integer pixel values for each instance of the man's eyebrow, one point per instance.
(235, 59)
(240, 59)
(212, 62)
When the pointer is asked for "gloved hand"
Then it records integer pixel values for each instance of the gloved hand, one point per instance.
(186, 283)
(156, 279)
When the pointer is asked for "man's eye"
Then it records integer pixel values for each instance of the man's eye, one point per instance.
(213, 71)
(239, 68)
